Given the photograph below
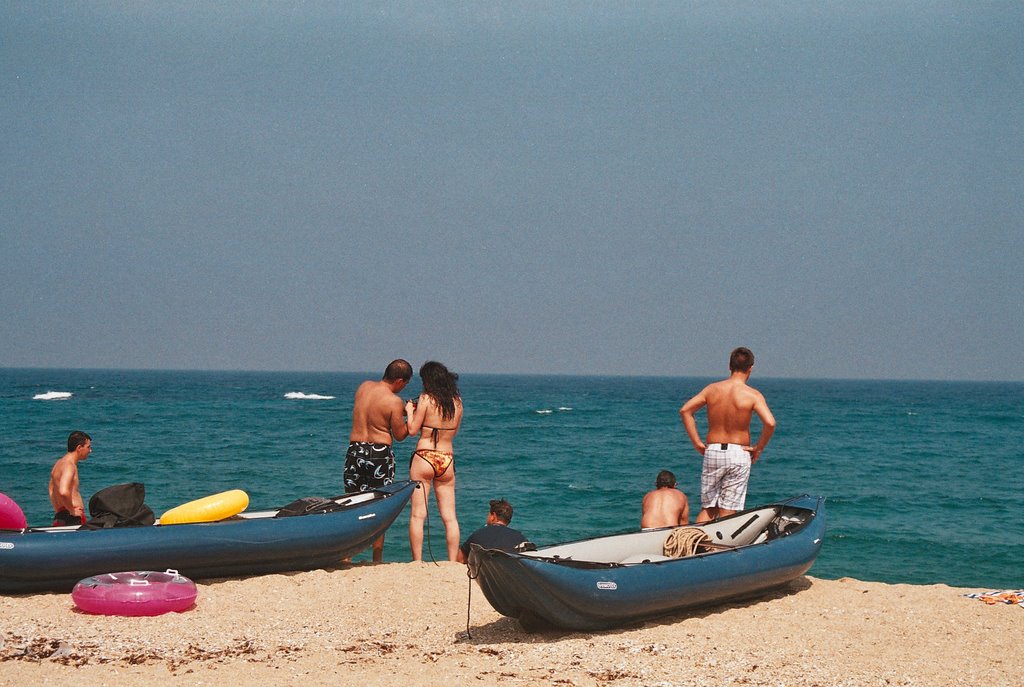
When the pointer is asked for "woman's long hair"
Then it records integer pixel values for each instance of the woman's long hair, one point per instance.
(442, 386)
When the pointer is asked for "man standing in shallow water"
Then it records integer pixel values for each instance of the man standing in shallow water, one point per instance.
(728, 454)
(67, 501)
(378, 420)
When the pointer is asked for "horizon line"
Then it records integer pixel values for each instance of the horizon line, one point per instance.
(522, 374)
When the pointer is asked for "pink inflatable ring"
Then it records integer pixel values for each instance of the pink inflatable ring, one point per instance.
(135, 593)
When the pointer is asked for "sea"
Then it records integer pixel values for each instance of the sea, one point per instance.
(922, 479)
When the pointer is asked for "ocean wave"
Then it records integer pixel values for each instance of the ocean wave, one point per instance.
(544, 411)
(564, 408)
(53, 396)
(299, 395)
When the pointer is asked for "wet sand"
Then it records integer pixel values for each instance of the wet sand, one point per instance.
(405, 624)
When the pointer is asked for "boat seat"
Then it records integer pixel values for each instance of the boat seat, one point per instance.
(645, 558)
(352, 499)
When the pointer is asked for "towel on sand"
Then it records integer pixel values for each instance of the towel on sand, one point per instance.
(1004, 596)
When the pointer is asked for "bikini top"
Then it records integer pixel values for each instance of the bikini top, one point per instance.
(434, 431)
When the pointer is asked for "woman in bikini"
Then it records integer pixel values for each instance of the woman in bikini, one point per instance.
(436, 418)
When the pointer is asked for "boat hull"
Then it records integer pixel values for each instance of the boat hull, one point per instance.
(55, 559)
(577, 595)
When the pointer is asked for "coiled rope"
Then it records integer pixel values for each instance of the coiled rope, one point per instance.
(684, 541)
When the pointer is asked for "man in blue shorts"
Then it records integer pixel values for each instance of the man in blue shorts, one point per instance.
(728, 453)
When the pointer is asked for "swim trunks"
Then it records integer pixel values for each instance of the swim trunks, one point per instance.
(64, 518)
(368, 466)
(723, 483)
(438, 460)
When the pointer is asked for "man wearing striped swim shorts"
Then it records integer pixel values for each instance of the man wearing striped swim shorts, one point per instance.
(728, 453)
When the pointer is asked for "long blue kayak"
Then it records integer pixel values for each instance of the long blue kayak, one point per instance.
(55, 558)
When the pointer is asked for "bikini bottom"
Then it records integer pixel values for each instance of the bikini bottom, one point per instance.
(440, 461)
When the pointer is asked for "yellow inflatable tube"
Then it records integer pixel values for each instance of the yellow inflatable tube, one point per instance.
(208, 508)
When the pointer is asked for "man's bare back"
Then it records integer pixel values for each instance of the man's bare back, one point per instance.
(377, 414)
(665, 507)
(731, 404)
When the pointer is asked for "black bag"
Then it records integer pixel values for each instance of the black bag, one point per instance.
(311, 504)
(121, 505)
(784, 525)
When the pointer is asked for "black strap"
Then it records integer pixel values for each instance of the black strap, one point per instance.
(469, 602)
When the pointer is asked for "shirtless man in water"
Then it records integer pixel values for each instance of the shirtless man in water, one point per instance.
(728, 453)
(378, 420)
(67, 501)
(664, 506)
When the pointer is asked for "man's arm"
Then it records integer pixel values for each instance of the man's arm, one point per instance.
(417, 416)
(460, 557)
(689, 423)
(399, 428)
(767, 429)
(684, 515)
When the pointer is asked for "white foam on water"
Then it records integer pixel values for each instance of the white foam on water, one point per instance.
(544, 412)
(564, 408)
(53, 396)
(300, 396)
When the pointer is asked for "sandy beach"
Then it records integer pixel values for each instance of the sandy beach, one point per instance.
(405, 623)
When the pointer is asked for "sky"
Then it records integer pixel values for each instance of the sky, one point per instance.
(597, 188)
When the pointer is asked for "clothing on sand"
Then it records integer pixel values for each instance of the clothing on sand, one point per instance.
(1000, 596)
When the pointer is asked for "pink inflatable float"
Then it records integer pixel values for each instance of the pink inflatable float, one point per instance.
(11, 516)
(135, 593)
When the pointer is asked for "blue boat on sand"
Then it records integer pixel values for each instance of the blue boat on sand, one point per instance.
(614, 580)
(55, 558)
